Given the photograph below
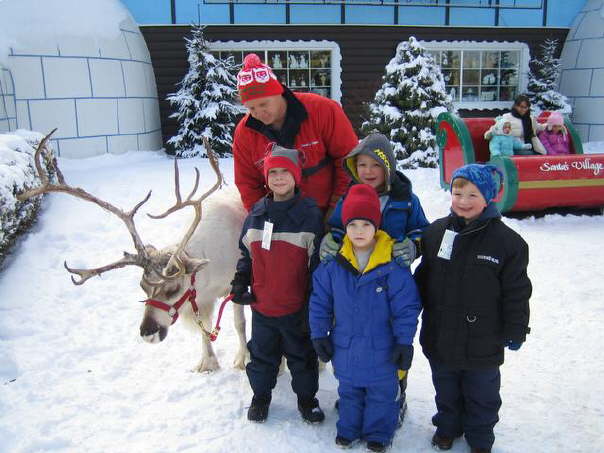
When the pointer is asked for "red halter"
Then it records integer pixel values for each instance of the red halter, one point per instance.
(190, 295)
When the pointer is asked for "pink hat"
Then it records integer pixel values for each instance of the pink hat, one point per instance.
(257, 80)
(555, 119)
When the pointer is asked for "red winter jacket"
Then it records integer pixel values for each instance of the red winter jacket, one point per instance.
(324, 131)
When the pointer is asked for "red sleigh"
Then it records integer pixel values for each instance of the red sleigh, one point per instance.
(530, 182)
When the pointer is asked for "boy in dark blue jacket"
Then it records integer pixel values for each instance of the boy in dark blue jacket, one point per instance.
(279, 247)
(475, 292)
(372, 162)
(363, 317)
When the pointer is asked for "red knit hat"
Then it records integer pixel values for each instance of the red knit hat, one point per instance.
(281, 157)
(256, 80)
(362, 202)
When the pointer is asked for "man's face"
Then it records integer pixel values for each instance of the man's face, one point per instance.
(269, 110)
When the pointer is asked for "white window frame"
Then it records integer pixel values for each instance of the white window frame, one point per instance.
(523, 66)
(330, 46)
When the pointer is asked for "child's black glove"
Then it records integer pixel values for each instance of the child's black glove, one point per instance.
(402, 356)
(239, 290)
(324, 348)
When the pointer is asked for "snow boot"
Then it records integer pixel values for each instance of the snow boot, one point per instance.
(374, 445)
(258, 411)
(442, 443)
(342, 442)
(310, 410)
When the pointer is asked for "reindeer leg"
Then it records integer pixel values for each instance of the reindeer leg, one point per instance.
(208, 362)
(239, 320)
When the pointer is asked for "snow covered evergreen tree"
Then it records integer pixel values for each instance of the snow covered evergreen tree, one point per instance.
(205, 101)
(544, 71)
(406, 106)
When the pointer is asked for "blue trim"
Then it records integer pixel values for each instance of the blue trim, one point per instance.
(80, 57)
(90, 76)
(110, 135)
(43, 78)
(75, 104)
(85, 97)
(29, 113)
(123, 78)
(130, 31)
(127, 46)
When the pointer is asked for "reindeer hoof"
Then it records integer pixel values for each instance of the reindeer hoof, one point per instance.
(207, 365)
(239, 362)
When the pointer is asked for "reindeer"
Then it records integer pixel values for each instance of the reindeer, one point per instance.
(171, 276)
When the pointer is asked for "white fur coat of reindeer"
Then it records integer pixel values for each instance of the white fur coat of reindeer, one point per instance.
(204, 260)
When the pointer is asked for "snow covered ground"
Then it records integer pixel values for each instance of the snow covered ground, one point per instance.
(75, 375)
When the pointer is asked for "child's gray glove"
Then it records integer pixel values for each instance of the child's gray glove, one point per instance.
(527, 146)
(329, 247)
(404, 252)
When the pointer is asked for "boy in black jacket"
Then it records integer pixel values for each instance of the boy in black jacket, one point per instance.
(475, 293)
(279, 250)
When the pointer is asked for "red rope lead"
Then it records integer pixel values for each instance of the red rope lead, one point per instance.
(216, 330)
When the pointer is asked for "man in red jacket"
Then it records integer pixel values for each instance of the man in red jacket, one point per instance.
(314, 125)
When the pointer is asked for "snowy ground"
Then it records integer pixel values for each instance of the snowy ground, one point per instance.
(75, 375)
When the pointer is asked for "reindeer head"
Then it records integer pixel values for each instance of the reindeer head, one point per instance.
(168, 274)
(167, 290)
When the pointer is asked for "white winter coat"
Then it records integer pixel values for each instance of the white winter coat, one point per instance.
(518, 131)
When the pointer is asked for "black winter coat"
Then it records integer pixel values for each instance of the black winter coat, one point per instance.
(478, 299)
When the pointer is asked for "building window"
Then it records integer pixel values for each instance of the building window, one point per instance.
(482, 75)
(302, 66)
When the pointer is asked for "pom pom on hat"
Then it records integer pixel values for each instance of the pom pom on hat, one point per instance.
(281, 157)
(256, 80)
(555, 119)
(361, 202)
(487, 178)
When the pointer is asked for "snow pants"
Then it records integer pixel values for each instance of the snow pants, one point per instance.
(467, 402)
(274, 337)
(369, 413)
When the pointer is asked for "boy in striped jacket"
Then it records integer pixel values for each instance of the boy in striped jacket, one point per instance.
(279, 246)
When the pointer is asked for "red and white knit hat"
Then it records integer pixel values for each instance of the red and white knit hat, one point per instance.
(256, 80)
(361, 202)
(281, 157)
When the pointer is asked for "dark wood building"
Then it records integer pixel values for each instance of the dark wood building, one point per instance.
(363, 51)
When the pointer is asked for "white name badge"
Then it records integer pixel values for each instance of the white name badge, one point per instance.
(267, 233)
(446, 246)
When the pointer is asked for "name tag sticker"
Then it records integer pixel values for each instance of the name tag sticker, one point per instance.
(446, 246)
(267, 233)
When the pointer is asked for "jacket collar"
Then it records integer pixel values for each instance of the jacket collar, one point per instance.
(294, 116)
(296, 210)
(382, 253)
(459, 224)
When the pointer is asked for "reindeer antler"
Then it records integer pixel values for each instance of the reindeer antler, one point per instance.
(175, 259)
(141, 258)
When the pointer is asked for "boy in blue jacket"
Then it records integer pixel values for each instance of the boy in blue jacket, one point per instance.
(402, 217)
(279, 250)
(363, 317)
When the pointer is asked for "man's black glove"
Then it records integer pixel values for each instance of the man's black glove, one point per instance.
(240, 290)
(324, 348)
(402, 355)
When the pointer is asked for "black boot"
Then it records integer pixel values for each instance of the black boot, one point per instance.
(310, 410)
(342, 442)
(373, 445)
(442, 443)
(258, 411)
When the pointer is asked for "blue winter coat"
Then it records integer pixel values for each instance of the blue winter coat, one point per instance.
(364, 314)
(505, 145)
(402, 214)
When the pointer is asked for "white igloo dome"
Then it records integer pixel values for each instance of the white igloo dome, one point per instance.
(82, 67)
(582, 76)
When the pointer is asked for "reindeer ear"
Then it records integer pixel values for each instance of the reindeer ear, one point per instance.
(193, 265)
